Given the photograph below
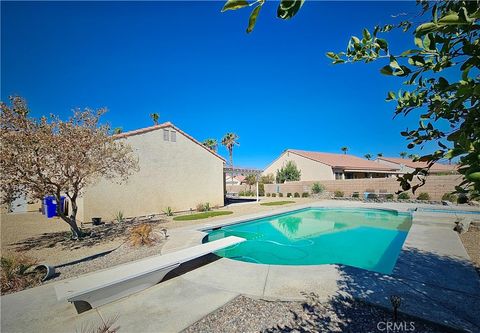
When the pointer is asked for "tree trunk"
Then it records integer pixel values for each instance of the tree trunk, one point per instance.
(231, 163)
(71, 220)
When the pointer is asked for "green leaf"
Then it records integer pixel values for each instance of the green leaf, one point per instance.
(288, 8)
(253, 18)
(386, 70)
(234, 4)
(366, 34)
(382, 43)
(390, 96)
(425, 28)
(332, 55)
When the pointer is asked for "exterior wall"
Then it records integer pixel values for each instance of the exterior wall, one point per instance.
(310, 170)
(435, 186)
(178, 174)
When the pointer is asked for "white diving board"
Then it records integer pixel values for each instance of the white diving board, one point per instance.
(98, 288)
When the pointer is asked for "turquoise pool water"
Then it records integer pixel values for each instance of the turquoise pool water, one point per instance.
(363, 238)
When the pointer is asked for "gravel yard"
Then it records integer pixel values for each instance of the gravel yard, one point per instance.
(471, 242)
(244, 314)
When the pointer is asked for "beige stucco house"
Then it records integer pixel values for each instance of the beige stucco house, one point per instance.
(175, 171)
(407, 165)
(328, 166)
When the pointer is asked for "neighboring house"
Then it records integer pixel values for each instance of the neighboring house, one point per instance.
(406, 165)
(175, 170)
(328, 166)
(237, 180)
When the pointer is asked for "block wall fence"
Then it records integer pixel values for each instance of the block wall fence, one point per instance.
(435, 186)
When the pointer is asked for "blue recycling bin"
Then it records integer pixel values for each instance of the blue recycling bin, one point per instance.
(50, 206)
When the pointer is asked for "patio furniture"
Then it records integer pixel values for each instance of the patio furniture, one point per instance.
(368, 192)
(98, 288)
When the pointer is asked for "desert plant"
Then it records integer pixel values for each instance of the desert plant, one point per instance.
(14, 275)
(449, 197)
(338, 194)
(389, 196)
(206, 207)
(317, 188)
(280, 195)
(104, 327)
(168, 211)
(200, 207)
(289, 172)
(296, 195)
(423, 196)
(119, 217)
(403, 196)
(274, 195)
(462, 198)
(355, 195)
(141, 235)
(261, 189)
(241, 193)
(305, 195)
(268, 195)
(289, 195)
(267, 179)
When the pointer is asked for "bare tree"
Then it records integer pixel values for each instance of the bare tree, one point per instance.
(49, 156)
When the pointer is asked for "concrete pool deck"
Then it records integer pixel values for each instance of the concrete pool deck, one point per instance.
(433, 276)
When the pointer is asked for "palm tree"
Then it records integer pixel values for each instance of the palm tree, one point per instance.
(229, 140)
(155, 117)
(380, 154)
(403, 154)
(117, 130)
(211, 144)
(367, 156)
(344, 149)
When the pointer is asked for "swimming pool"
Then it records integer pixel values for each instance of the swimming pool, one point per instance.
(365, 238)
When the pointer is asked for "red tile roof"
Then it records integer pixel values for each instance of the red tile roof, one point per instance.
(160, 126)
(342, 161)
(437, 167)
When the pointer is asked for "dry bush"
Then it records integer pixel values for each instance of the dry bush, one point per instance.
(14, 275)
(106, 327)
(141, 235)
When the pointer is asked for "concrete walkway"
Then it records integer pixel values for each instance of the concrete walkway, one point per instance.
(433, 276)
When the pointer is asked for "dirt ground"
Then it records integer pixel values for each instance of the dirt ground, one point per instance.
(471, 242)
(21, 231)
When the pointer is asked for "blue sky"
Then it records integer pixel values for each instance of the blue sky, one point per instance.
(199, 69)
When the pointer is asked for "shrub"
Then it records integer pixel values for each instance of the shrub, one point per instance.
(274, 195)
(423, 196)
(462, 198)
(355, 195)
(389, 196)
(141, 235)
(372, 196)
(280, 195)
(449, 197)
(269, 194)
(119, 217)
(261, 189)
(241, 193)
(14, 275)
(296, 195)
(289, 195)
(305, 195)
(338, 194)
(249, 193)
(168, 211)
(206, 207)
(200, 207)
(403, 196)
(317, 188)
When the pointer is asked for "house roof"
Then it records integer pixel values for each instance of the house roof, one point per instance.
(342, 161)
(160, 126)
(439, 167)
